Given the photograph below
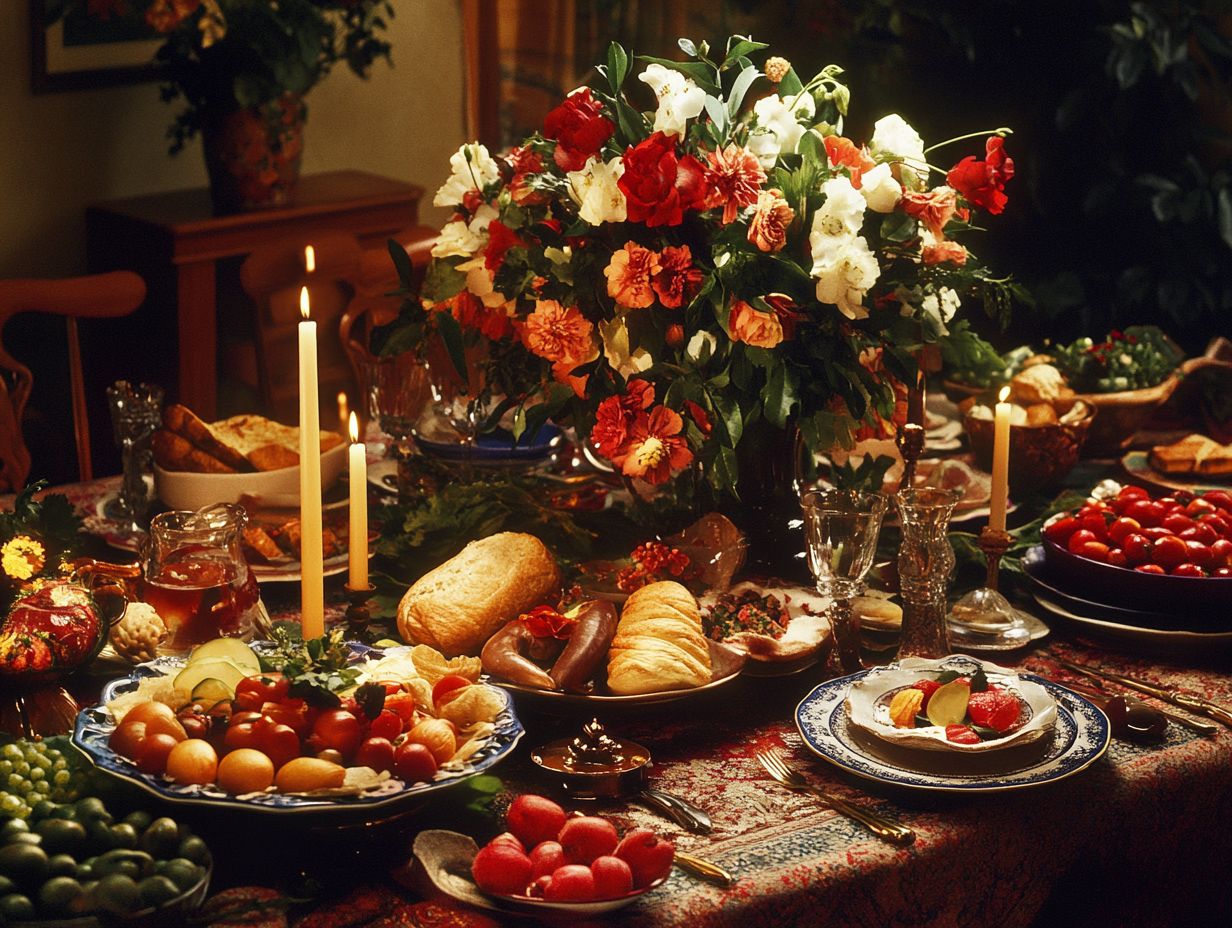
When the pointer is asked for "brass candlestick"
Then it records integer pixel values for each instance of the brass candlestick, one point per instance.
(910, 442)
(994, 544)
(359, 613)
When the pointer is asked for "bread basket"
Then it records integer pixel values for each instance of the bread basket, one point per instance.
(1122, 414)
(1040, 455)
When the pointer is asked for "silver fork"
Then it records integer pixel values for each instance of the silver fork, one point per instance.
(778, 768)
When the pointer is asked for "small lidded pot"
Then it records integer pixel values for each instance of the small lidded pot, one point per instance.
(594, 765)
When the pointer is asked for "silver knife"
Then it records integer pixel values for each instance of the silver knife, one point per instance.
(1194, 704)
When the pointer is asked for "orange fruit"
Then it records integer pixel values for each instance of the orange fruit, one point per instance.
(246, 770)
(193, 761)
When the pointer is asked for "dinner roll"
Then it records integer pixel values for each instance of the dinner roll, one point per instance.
(463, 602)
(659, 644)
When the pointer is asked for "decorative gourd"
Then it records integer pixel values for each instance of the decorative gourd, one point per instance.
(49, 632)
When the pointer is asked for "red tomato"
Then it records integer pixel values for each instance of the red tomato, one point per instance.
(414, 763)
(1187, 570)
(1095, 522)
(1150, 569)
(403, 706)
(1219, 521)
(1060, 530)
(1169, 551)
(1095, 550)
(385, 725)
(1137, 548)
(1132, 492)
(339, 730)
(276, 741)
(152, 753)
(1078, 539)
(448, 685)
(1169, 501)
(1199, 507)
(1117, 558)
(1122, 527)
(1222, 572)
(240, 718)
(253, 692)
(241, 735)
(1200, 532)
(377, 753)
(1146, 512)
(1221, 498)
(127, 739)
(288, 713)
(1221, 550)
(1198, 553)
(1177, 523)
(1156, 532)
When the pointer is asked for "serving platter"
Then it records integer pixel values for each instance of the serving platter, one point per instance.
(94, 727)
(1079, 737)
(1137, 465)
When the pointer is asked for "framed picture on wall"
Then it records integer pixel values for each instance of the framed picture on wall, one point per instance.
(73, 50)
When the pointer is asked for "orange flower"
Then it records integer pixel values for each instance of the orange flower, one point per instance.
(165, 15)
(754, 327)
(629, 274)
(944, 252)
(656, 448)
(491, 322)
(844, 154)
(615, 417)
(677, 279)
(735, 177)
(557, 333)
(934, 208)
(772, 216)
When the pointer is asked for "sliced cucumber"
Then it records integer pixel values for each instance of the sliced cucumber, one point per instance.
(211, 690)
(217, 668)
(231, 649)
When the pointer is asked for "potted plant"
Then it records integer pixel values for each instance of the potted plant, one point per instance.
(241, 69)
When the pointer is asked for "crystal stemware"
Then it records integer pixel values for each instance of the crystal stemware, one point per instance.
(136, 412)
(841, 529)
(925, 562)
(397, 388)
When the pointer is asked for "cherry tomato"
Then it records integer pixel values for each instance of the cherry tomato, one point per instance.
(1060, 530)
(1156, 532)
(241, 735)
(414, 763)
(1132, 492)
(1078, 539)
(292, 713)
(1095, 522)
(1198, 553)
(1184, 497)
(1219, 522)
(248, 715)
(1095, 550)
(255, 691)
(1200, 532)
(1177, 523)
(339, 730)
(1222, 572)
(152, 753)
(377, 753)
(1220, 498)
(1169, 551)
(385, 725)
(448, 685)
(1221, 551)
(1146, 512)
(1122, 527)
(1199, 507)
(1117, 558)
(276, 741)
(1169, 501)
(127, 738)
(403, 706)
(1150, 569)
(1187, 570)
(1137, 548)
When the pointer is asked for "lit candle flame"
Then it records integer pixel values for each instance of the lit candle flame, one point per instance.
(303, 302)
(310, 258)
(1004, 394)
(354, 428)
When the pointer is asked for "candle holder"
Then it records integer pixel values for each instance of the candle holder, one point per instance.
(358, 613)
(910, 442)
(984, 618)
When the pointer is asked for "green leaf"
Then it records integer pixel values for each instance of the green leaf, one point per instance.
(780, 395)
(728, 420)
(790, 85)
(451, 335)
(743, 46)
(442, 281)
(743, 81)
(724, 470)
(402, 262)
(617, 67)
(718, 115)
(687, 46)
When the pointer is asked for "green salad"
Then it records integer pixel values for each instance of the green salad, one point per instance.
(1140, 356)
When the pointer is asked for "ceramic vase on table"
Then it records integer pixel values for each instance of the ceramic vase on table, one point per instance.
(925, 562)
(253, 154)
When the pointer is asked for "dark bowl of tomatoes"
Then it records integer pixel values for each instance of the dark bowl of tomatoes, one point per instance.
(1172, 553)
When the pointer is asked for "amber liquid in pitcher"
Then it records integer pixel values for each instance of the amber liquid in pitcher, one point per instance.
(201, 598)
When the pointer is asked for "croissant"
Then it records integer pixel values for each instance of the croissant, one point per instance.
(659, 643)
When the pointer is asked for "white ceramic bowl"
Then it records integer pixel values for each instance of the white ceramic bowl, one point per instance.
(180, 489)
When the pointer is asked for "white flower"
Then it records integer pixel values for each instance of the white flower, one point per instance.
(479, 282)
(463, 239)
(615, 335)
(701, 346)
(842, 213)
(679, 98)
(941, 306)
(778, 125)
(472, 169)
(595, 191)
(881, 191)
(894, 140)
(846, 277)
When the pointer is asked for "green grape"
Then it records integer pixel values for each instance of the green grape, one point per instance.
(11, 751)
(6, 767)
(61, 778)
(36, 773)
(42, 787)
(60, 764)
(11, 804)
(21, 768)
(44, 761)
(14, 781)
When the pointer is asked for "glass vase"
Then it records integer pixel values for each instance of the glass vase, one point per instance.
(925, 562)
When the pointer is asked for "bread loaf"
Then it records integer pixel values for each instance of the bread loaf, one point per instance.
(1193, 454)
(458, 606)
(659, 644)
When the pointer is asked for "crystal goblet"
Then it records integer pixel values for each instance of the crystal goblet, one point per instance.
(841, 529)
(397, 388)
(136, 412)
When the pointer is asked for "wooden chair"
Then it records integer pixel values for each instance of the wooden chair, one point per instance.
(94, 296)
(272, 276)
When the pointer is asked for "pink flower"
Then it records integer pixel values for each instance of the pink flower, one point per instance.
(735, 177)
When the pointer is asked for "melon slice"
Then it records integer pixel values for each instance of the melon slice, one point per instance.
(225, 672)
(231, 649)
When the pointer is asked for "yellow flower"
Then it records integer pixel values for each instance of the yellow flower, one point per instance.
(22, 557)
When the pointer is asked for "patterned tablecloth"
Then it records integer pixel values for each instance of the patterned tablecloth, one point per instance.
(1141, 837)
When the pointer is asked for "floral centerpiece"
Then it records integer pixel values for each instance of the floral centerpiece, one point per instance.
(679, 284)
(254, 58)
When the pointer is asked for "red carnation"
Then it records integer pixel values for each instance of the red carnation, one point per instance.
(579, 128)
(982, 183)
(677, 279)
(500, 239)
(658, 186)
(615, 417)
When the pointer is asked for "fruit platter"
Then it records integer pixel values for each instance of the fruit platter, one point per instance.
(328, 728)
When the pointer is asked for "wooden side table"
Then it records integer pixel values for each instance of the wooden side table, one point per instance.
(174, 241)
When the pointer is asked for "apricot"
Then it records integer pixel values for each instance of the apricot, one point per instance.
(535, 819)
(571, 883)
(546, 858)
(648, 856)
(501, 868)
(613, 877)
(586, 837)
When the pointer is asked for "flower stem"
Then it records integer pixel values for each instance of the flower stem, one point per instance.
(1001, 132)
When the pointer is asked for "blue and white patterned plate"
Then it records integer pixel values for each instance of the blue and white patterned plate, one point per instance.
(1079, 738)
(94, 727)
